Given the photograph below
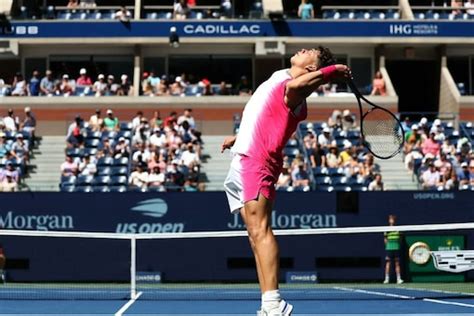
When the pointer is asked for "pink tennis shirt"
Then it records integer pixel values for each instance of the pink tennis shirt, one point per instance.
(267, 124)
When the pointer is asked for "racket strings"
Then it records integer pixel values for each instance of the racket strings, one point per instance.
(382, 133)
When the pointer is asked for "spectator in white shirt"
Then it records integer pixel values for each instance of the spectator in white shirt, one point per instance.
(19, 86)
(470, 5)
(180, 10)
(100, 86)
(123, 15)
(10, 121)
(87, 166)
(187, 116)
(158, 138)
(325, 139)
(142, 156)
(190, 158)
(156, 178)
(377, 184)
(139, 177)
(431, 178)
(137, 120)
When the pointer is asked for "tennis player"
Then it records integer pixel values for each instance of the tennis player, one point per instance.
(269, 119)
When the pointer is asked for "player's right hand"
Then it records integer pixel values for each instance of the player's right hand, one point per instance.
(343, 71)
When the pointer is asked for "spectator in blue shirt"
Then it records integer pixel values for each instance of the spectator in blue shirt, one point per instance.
(306, 10)
(34, 84)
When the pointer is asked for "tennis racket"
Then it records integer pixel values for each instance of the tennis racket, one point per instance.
(382, 133)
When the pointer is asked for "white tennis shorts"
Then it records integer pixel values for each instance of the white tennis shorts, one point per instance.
(233, 186)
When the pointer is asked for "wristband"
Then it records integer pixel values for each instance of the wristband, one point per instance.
(329, 72)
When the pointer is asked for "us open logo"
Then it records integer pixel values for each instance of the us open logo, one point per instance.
(152, 208)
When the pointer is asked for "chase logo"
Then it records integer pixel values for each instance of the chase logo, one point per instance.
(154, 208)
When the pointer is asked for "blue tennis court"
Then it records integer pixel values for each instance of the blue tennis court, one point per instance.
(239, 300)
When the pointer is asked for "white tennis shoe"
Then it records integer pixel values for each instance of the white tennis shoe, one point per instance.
(284, 309)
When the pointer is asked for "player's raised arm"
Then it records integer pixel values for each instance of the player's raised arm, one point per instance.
(302, 86)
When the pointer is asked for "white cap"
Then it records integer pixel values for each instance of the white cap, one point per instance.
(310, 125)
(109, 111)
(19, 135)
(124, 77)
(101, 76)
(27, 109)
(423, 121)
(326, 130)
(121, 139)
(65, 76)
(346, 112)
(437, 122)
(464, 164)
(83, 71)
(110, 77)
(347, 144)
(414, 126)
(178, 79)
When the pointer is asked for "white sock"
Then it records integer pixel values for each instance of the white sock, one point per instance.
(271, 300)
(387, 277)
(398, 277)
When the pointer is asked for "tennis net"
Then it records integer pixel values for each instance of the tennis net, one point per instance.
(316, 264)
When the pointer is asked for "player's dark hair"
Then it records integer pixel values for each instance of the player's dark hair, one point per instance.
(326, 58)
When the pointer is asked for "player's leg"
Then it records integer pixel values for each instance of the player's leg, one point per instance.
(257, 217)
(398, 271)
(387, 270)
(257, 262)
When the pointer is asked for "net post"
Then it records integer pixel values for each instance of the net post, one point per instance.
(133, 267)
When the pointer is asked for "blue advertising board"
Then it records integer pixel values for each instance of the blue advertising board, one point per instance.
(111, 29)
(205, 259)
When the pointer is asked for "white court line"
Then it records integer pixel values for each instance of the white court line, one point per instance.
(448, 302)
(404, 297)
(128, 304)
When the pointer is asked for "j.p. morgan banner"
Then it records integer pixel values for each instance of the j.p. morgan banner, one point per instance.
(93, 29)
(178, 212)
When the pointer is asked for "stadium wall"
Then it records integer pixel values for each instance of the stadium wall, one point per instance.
(211, 259)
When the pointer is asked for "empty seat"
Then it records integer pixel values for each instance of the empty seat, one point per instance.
(125, 134)
(93, 134)
(126, 126)
(118, 171)
(104, 171)
(325, 188)
(119, 188)
(118, 180)
(101, 180)
(67, 188)
(291, 152)
(83, 189)
(101, 188)
(92, 143)
(90, 151)
(73, 152)
(120, 161)
(320, 171)
(105, 161)
(84, 180)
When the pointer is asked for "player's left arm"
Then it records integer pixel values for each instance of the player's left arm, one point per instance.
(228, 143)
(298, 89)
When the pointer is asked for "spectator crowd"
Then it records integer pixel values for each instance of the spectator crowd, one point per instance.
(440, 156)
(160, 154)
(334, 153)
(16, 142)
(64, 85)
